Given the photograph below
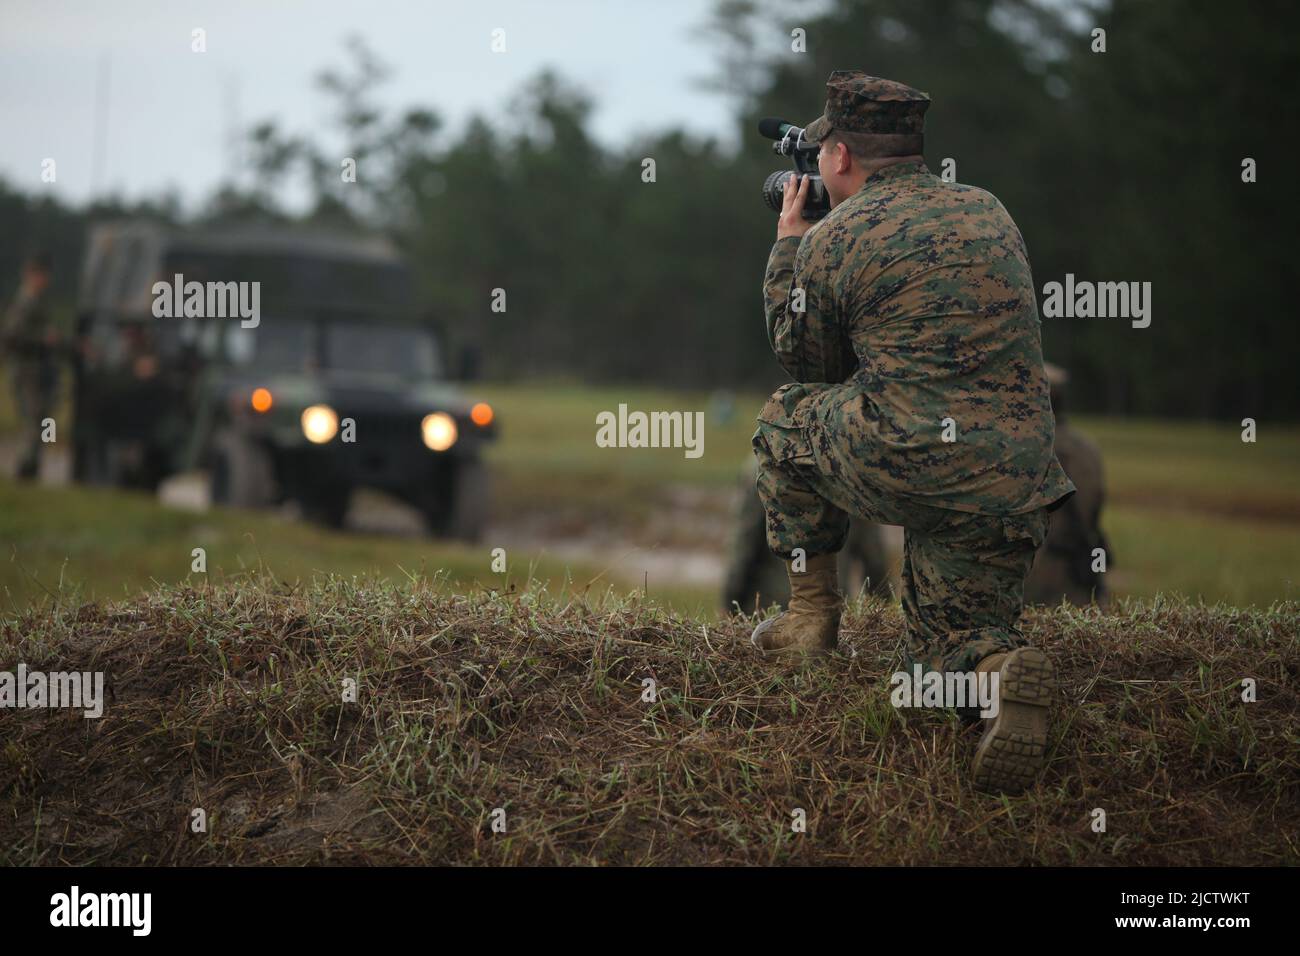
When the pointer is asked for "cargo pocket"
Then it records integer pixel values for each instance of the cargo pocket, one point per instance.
(786, 444)
(785, 432)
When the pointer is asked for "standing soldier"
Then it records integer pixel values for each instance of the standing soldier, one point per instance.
(27, 342)
(1063, 569)
(908, 319)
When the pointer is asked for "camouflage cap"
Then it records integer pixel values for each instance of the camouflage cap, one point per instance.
(892, 113)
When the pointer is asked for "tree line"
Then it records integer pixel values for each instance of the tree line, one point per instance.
(1122, 155)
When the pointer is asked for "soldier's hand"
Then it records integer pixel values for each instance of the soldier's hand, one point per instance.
(791, 221)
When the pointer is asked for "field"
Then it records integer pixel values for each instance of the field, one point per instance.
(518, 698)
(1192, 511)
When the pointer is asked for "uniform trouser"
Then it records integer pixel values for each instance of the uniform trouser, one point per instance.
(963, 574)
(33, 391)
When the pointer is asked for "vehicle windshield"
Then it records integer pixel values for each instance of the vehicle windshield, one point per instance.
(276, 345)
(409, 351)
(301, 284)
(281, 344)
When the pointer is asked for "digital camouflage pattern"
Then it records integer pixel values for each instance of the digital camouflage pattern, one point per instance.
(1062, 568)
(917, 306)
(912, 303)
(757, 579)
(963, 573)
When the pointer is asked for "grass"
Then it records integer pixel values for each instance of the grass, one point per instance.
(1196, 466)
(1242, 561)
(550, 431)
(548, 458)
(1193, 510)
(531, 702)
(107, 543)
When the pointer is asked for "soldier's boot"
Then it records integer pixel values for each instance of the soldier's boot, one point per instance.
(810, 624)
(1013, 749)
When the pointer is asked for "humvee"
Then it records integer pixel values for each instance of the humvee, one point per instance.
(337, 385)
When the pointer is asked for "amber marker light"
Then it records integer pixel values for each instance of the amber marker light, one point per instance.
(261, 400)
(481, 414)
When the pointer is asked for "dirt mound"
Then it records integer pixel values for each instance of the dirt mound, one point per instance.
(530, 712)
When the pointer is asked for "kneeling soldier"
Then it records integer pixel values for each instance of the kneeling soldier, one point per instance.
(907, 318)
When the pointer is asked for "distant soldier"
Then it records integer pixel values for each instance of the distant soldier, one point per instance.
(1063, 567)
(27, 342)
(756, 578)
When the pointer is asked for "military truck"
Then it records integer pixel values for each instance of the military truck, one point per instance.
(337, 383)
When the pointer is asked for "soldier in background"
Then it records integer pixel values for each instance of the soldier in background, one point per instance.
(27, 342)
(1063, 566)
(756, 578)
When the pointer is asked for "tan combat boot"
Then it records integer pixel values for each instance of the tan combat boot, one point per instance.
(810, 623)
(1013, 749)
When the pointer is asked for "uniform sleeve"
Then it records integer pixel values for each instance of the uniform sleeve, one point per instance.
(808, 342)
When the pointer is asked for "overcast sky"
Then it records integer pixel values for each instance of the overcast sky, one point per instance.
(169, 109)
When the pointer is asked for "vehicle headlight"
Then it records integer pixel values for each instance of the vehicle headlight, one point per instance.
(438, 431)
(320, 423)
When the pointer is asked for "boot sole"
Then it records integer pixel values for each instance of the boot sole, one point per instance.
(1012, 752)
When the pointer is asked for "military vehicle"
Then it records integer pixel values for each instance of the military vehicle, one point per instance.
(336, 384)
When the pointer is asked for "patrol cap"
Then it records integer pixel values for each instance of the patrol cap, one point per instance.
(892, 114)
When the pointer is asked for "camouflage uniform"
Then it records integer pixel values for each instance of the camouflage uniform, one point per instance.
(31, 370)
(1062, 568)
(918, 307)
(756, 579)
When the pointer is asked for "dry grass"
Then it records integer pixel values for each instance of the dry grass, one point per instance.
(230, 700)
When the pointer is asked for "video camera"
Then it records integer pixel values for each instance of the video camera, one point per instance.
(789, 142)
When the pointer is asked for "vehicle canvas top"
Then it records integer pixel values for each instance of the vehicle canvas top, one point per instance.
(298, 273)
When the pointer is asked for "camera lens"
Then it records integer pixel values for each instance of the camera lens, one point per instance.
(774, 189)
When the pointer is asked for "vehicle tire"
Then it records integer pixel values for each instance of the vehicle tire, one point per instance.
(243, 473)
(325, 504)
